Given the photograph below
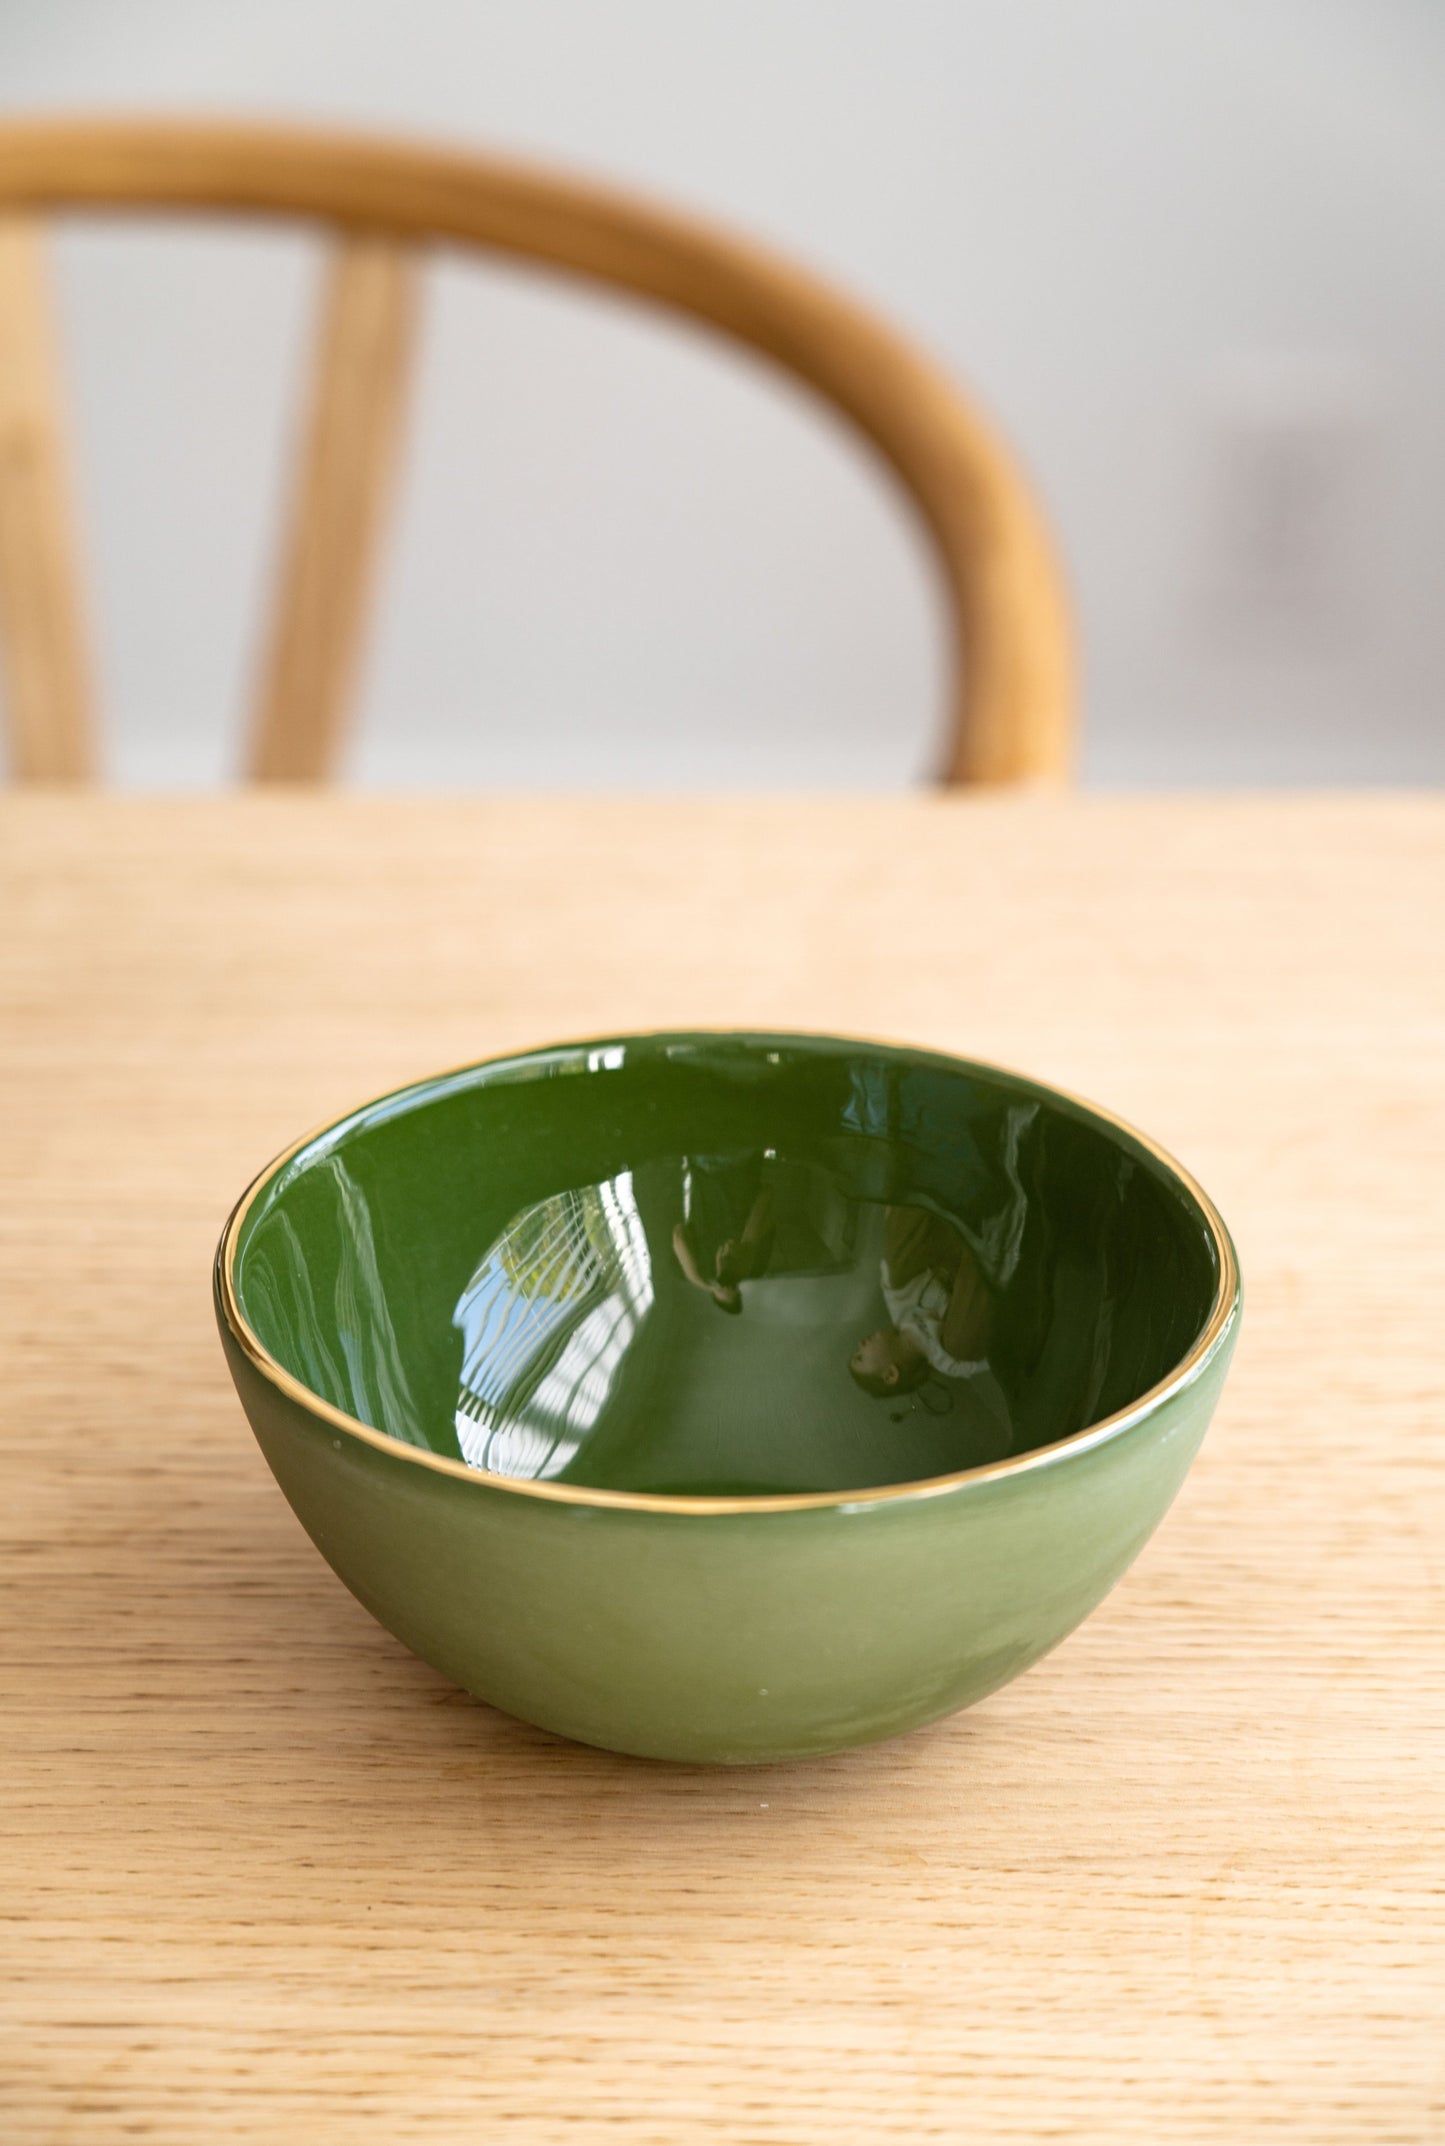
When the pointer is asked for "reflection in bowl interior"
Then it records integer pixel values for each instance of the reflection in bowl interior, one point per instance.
(726, 1265)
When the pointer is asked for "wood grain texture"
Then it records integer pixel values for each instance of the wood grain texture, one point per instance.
(1010, 709)
(43, 655)
(269, 1878)
(344, 481)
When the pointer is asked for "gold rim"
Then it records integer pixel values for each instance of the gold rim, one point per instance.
(1222, 1314)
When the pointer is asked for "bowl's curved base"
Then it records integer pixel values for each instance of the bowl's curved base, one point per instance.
(734, 1638)
(701, 1749)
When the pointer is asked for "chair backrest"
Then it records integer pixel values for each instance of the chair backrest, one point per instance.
(1010, 689)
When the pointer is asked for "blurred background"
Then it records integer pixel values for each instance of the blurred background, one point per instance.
(1188, 258)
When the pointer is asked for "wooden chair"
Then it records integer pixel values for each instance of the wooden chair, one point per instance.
(383, 204)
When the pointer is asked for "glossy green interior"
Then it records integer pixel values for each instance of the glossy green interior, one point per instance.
(726, 1264)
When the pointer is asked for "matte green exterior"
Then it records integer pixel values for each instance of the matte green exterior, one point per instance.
(735, 1637)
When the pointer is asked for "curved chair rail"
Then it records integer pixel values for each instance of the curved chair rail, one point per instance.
(1011, 691)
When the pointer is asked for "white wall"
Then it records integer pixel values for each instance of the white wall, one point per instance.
(1188, 255)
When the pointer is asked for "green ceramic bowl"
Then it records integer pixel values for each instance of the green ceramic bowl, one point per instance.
(728, 1397)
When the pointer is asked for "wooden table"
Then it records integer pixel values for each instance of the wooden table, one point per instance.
(268, 1878)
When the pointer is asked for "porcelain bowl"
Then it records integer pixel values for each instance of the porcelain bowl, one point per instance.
(728, 1397)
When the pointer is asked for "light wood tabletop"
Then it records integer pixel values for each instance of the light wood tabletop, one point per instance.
(266, 1877)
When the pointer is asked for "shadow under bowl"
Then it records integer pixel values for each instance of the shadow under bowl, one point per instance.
(728, 1397)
